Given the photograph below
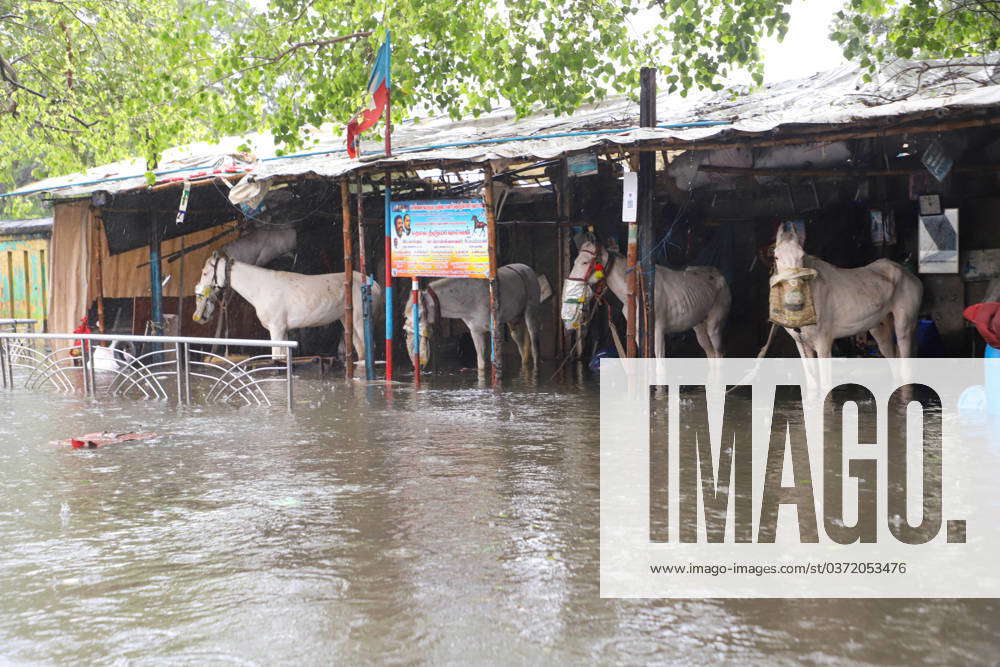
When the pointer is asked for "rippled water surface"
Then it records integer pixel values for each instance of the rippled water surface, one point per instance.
(455, 524)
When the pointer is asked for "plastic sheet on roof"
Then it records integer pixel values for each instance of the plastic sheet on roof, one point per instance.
(837, 96)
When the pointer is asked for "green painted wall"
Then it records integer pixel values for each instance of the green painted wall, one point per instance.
(24, 277)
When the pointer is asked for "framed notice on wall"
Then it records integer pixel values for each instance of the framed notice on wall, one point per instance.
(440, 238)
(938, 240)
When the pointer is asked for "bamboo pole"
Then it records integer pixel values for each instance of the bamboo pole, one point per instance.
(345, 204)
(98, 266)
(496, 356)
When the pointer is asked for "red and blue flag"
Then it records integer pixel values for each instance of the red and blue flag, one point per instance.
(379, 84)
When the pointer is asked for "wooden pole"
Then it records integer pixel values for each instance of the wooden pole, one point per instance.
(647, 184)
(345, 205)
(496, 356)
(561, 187)
(366, 292)
(565, 212)
(99, 266)
(632, 256)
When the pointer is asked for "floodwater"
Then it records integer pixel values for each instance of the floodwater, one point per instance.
(451, 525)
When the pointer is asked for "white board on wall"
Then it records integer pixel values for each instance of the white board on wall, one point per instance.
(938, 242)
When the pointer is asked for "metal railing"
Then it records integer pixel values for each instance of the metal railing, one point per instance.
(14, 322)
(93, 369)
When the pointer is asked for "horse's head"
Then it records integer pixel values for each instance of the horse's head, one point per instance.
(588, 270)
(214, 276)
(428, 312)
(788, 252)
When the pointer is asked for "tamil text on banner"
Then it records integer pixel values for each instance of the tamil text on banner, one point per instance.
(440, 238)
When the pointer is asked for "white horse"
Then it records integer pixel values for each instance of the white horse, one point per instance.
(283, 300)
(261, 245)
(880, 298)
(696, 298)
(468, 299)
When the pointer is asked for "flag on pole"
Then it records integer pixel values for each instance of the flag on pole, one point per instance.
(378, 87)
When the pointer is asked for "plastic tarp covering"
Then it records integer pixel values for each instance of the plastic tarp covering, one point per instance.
(838, 96)
(69, 266)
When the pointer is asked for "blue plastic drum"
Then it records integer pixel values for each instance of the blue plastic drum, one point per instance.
(992, 380)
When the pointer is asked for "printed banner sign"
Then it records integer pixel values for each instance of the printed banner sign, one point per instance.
(440, 238)
(829, 478)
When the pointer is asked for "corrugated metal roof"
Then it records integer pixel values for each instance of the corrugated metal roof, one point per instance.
(838, 96)
(33, 226)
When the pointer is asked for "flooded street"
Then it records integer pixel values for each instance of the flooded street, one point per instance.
(454, 524)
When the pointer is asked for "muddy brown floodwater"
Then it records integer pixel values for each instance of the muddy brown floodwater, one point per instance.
(451, 525)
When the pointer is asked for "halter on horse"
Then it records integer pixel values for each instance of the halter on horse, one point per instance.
(428, 318)
(207, 294)
(578, 289)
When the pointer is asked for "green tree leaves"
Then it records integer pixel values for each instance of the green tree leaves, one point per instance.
(84, 82)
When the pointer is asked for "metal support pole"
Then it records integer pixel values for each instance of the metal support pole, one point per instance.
(93, 371)
(647, 184)
(288, 378)
(366, 289)
(177, 367)
(388, 273)
(84, 347)
(496, 354)
(155, 277)
(3, 362)
(345, 202)
(187, 372)
(415, 294)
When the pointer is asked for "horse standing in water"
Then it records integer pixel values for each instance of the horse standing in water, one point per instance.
(468, 299)
(881, 298)
(695, 298)
(283, 300)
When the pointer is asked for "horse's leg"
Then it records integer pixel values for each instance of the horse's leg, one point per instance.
(716, 321)
(531, 321)
(479, 341)
(519, 333)
(660, 341)
(882, 333)
(701, 331)
(905, 326)
(807, 354)
(278, 332)
(824, 351)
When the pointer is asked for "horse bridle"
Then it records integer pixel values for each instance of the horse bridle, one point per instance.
(228, 272)
(425, 325)
(215, 270)
(592, 266)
